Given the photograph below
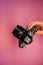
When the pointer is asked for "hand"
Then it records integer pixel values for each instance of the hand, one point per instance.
(38, 24)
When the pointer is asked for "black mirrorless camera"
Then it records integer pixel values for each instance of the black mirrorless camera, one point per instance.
(24, 36)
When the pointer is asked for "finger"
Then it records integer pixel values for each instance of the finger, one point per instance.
(29, 25)
(37, 23)
(34, 24)
(39, 32)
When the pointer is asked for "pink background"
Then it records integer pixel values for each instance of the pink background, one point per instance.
(22, 13)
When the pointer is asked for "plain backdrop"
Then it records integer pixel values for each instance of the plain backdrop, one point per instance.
(14, 13)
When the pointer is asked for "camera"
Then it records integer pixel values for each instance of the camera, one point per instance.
(25, 37)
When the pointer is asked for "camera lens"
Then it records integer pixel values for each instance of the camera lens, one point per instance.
(21, 44)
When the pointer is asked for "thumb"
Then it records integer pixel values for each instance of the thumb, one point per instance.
(39, 32)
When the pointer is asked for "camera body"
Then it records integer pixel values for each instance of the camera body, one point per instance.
(24, 36)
